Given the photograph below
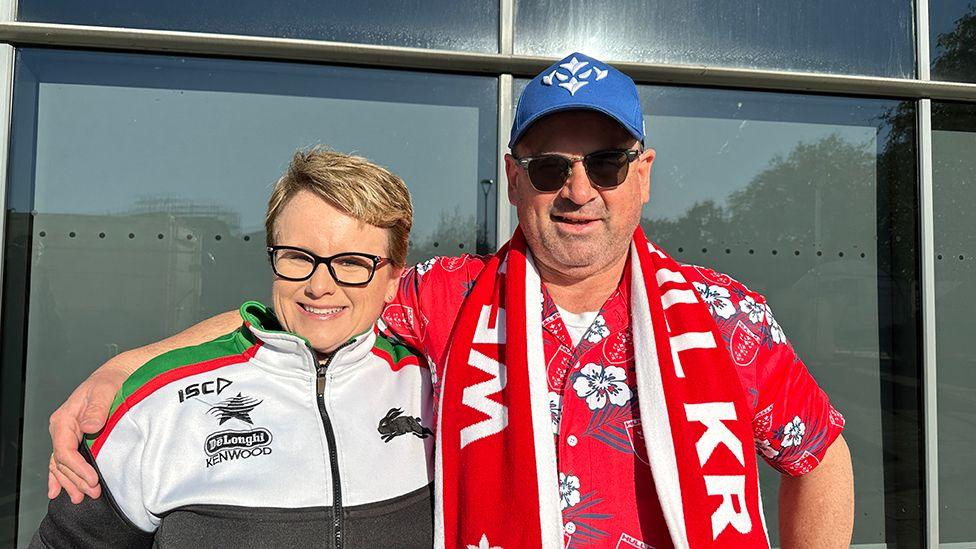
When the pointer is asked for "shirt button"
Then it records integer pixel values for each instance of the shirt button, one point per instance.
(572, 441)
(570, 528)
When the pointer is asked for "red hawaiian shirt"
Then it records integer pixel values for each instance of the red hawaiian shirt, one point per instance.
(605, 484)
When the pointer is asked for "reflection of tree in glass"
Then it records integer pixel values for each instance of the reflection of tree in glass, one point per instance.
(814, 196)
(454, 234)
(956, 53)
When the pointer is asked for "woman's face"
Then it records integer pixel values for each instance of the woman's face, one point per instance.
(319, 309)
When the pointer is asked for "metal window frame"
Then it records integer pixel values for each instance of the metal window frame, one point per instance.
(259, 47)
(506, 44)
(927, 257)
(8, 12)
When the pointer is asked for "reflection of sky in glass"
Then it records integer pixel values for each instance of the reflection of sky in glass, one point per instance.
(814, 35)
(702, 159)
(102, 148)
(469, 25)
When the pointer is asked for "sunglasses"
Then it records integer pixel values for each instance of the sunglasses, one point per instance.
(606, 169)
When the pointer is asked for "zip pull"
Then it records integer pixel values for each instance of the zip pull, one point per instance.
(322, 365)
(320, 379)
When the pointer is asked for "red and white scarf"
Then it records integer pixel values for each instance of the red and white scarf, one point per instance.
(496, 478)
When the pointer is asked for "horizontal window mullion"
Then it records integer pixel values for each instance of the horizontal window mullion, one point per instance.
(176, 42)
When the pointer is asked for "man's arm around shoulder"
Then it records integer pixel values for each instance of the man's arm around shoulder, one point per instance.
(86, 410)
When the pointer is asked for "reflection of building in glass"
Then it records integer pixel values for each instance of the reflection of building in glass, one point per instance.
(448, 237)
(153, 272)
(183, 208)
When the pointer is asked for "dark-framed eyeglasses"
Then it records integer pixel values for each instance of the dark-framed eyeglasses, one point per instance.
(350, 268)
(606, 168)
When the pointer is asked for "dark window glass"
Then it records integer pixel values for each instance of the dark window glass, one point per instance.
(138, 196)
(867, 37)
(811, 202)
(954, 180)
(441, 24)
(952, 32)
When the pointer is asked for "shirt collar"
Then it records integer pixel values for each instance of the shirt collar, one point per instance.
(263, 325)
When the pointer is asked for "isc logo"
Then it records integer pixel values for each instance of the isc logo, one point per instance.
(214, 386)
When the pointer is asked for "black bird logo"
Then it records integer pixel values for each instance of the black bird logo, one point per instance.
(238, 407)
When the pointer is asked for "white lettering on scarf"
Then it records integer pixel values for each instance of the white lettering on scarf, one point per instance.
(667, 275)
(686, 342)
(677, 297)
(712, 415)
(476, 396)
(728, 487)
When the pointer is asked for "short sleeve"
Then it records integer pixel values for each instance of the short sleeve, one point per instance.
(794, 421)
(428, 299)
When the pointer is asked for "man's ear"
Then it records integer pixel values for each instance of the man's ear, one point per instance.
(644, 163)
(511, 173)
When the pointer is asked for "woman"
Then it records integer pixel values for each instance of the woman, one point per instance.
(306, 426)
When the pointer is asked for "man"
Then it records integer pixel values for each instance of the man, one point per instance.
(581, 329)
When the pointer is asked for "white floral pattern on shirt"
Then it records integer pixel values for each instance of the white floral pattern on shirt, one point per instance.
(717, 298)
(597, 331)
(422, 268)
(755, 311)
(793, 432)
(760, 313)
(569, 486)
(597, 384)
(775, 331)
(555, 410)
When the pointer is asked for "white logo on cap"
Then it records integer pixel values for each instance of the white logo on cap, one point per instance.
(576, 79)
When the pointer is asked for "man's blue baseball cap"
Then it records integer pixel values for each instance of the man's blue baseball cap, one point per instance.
(579, 82)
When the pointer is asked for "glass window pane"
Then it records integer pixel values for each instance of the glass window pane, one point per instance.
(148, 177)
(439, 24)
(819, 35)
(952, 24)
(953, 177)
(811, 202)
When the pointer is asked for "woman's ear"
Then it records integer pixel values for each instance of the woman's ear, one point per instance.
(393, 285)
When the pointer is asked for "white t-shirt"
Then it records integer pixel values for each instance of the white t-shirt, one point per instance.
(577, 323)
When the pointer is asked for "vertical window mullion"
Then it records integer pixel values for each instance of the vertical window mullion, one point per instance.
(927, 253)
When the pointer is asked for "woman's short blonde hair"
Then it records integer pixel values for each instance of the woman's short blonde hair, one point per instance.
(354, 185)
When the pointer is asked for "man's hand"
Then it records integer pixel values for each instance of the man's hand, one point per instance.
(817, 509)
(86, 410)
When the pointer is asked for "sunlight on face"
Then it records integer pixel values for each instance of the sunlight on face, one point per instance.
(327, 313)
(579, 229)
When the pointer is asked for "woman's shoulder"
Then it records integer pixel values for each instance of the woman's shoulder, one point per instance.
(175, 365)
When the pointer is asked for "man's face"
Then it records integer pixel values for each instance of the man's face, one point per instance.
(580, 229)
